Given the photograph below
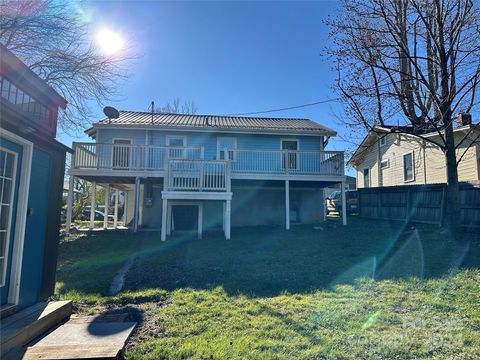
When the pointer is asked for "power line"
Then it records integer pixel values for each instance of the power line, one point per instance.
(286, 108)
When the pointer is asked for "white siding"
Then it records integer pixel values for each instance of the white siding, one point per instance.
(429, 162)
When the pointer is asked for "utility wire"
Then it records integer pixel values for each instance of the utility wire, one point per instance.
(286, 108)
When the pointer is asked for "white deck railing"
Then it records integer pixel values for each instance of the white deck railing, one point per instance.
(198, 175)
(287, 162)
(129, 157)
(243, 162)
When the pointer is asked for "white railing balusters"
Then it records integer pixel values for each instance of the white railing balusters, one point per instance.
(210, 175)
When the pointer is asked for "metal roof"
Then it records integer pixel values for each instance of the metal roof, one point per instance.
(220, 122)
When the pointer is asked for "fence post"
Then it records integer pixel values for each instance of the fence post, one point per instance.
(378, 193)
(442, 205)
(408, 204)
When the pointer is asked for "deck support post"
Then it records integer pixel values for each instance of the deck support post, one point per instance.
(324, 207)
(169, 220)
(68, 223)
(115, 211)
(200, 220)
(223, 218)
(163, 235)
(287, 204)
(92, 205)
(227, 214)
(107, 203)
(136, 204)
(344, 204)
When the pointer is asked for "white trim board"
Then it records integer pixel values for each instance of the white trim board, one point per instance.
(21, 216)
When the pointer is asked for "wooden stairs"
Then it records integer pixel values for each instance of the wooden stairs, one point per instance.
(20, 328)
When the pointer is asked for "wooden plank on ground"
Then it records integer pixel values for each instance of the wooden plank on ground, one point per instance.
(24, 326)
(62, 352)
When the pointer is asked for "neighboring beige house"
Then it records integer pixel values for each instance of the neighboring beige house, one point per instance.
(388, 158)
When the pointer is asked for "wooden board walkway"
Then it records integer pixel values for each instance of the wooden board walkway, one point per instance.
(84, 337)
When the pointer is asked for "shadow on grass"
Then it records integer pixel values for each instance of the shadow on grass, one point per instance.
(267, 261)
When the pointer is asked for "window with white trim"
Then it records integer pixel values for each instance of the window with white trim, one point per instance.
(8, 164)
(383, 140)
(366, 177)
(408, 167)
(177, 145)
(385, 164)
(226, 148)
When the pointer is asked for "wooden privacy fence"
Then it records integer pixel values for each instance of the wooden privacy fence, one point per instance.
(419, 203)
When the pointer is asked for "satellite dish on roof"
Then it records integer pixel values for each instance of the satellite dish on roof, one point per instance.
(111, 113)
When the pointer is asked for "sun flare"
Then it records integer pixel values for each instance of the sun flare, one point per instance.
(109, 41)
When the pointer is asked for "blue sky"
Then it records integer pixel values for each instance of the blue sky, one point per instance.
(227, 57)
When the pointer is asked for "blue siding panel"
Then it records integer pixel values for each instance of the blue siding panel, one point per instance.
(207, 140)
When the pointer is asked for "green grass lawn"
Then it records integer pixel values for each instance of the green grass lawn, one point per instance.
(369, 290)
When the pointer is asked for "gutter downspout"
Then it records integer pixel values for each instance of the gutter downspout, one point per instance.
(379, 164)
(424, 162)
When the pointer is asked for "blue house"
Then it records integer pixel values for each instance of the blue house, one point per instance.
(31, 179)
(183, 172)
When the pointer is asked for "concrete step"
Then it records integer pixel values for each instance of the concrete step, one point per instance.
(20, 328)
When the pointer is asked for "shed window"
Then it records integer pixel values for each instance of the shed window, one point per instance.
(408, 169)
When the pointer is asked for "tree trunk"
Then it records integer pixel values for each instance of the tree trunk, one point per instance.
(452, 205)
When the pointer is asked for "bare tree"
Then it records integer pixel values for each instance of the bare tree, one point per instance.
(54, 41)
(176, 106)
(410, 62)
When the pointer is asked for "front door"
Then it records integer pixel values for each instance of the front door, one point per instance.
(10, 165)
(121, 154)
(289, 159)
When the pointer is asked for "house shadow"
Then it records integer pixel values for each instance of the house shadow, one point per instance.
(268, 261)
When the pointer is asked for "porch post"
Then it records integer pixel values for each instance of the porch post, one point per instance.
(344, 204)
(287, 204)
(115, 211)
(200, 220)
(92, 205)
(107, 203)
(164, 219)
(169, 220)
(228, 210)
(135, 205)
(68, 223)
